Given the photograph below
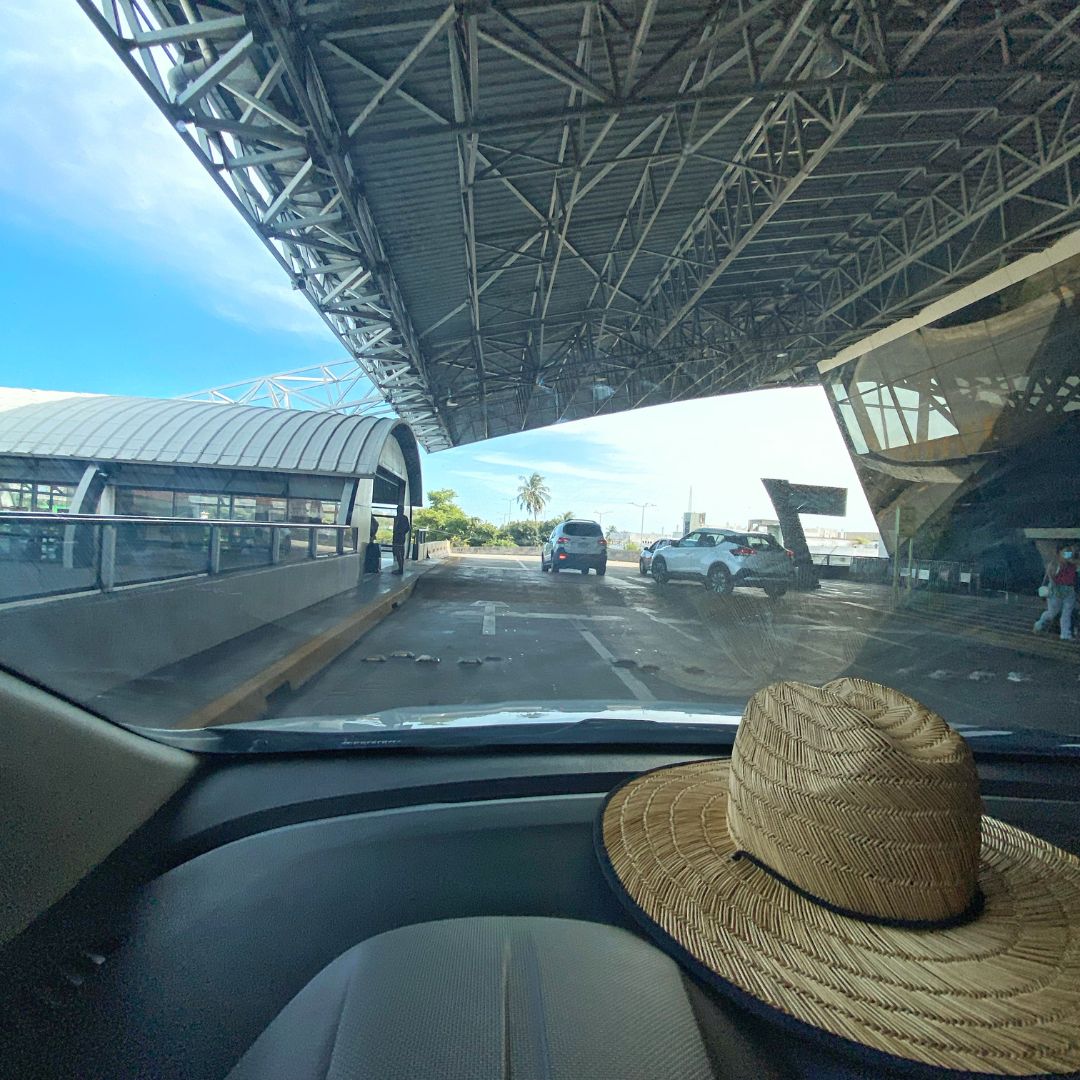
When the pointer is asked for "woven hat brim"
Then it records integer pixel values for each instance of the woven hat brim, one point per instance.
(997, 996)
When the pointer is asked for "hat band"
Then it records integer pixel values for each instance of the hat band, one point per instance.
(972, 911)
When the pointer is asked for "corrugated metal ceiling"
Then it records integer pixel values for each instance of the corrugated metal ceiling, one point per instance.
(578, 207)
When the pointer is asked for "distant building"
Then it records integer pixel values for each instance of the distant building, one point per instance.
(691, 520)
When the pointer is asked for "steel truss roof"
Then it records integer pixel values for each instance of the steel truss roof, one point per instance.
(516, 212)
(338, 387)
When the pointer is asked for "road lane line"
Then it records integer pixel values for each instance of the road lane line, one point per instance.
(522, 565)
(634, 685)
(489, 619)
(561, 616)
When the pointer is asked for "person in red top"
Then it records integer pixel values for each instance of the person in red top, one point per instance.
(1061, 598)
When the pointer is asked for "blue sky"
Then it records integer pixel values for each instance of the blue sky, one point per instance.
(127, 272)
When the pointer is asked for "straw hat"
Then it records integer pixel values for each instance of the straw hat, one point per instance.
(839, 873)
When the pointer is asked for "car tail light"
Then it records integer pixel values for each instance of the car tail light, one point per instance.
(789, 553)
(743, 551)
(562, 554)
(562, 540)
(603, 542)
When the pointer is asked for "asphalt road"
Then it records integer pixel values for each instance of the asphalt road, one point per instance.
(550, 638)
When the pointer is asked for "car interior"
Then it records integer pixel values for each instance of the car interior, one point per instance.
(174, 913)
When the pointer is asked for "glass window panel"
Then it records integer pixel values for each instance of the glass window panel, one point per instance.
(877, 422)
(144, 502)
(906, 397)
(56, 498)
(200, 506)
(243, 508)
(16, 496)
(269, 509)
(305, 510)
(847, 414)
(894, 429)
(938, 426)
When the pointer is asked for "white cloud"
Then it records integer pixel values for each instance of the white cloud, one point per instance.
(559, 468)
(720, 447)
(83, 149)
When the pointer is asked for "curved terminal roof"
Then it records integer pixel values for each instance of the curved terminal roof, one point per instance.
(147, 431)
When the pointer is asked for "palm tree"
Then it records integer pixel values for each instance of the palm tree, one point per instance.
(533, 494)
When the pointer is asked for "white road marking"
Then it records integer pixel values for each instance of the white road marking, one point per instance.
(634, 685)
(489, 619)
(522, 565)
(800, 644)
(561, 616)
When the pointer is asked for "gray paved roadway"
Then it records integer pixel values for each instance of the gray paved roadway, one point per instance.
(547, 638)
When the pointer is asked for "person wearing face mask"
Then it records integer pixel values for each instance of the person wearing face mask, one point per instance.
(1061, 582)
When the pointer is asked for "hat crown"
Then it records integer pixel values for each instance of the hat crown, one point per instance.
(860, 797)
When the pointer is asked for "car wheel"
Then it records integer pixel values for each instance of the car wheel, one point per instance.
(774, 592)
(601, 570)
(554, 567)
(720, 580)
(543, 565)
(584, 571)
(641, 567)
(659, 572)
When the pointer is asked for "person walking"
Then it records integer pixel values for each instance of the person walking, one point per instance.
(1061, 586)
(402, 529)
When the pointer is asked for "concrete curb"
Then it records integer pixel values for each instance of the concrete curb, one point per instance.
(248, 701)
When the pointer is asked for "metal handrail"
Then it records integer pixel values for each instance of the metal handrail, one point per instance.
(45, 518)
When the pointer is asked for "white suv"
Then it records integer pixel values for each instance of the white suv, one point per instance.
(722, 559)
(575, 545)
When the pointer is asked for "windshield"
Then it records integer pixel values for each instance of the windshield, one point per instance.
(282, 450)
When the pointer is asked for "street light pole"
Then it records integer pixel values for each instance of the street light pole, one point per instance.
(643, 506)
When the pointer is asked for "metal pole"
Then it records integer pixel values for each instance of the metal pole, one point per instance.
(107, 555)
(896, 556)
(214, 553)
(643, 506)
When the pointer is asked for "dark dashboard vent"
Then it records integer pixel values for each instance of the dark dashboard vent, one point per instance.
(68, 977)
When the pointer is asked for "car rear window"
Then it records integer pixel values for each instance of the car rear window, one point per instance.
(581, 528)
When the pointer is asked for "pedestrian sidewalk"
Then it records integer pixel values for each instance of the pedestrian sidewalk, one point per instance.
(999, 620)
(233, 681)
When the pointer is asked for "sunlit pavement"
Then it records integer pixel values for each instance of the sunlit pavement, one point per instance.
(498, 630)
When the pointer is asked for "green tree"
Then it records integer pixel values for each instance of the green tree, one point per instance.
(524, 533)
(441, 498)
(442, 517)
(533, 495)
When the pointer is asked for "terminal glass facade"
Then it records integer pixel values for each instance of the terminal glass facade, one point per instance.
(146, 502)
(959, 431)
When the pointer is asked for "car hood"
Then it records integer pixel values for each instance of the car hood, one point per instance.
(522, 723)
(513, 714)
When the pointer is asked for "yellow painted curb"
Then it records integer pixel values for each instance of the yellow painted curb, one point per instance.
(248, 700)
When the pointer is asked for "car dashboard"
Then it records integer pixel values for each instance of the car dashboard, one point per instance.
(172, 956)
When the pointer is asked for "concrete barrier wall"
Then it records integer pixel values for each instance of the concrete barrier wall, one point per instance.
(101, 640)
(434, 549)
(492, 550)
